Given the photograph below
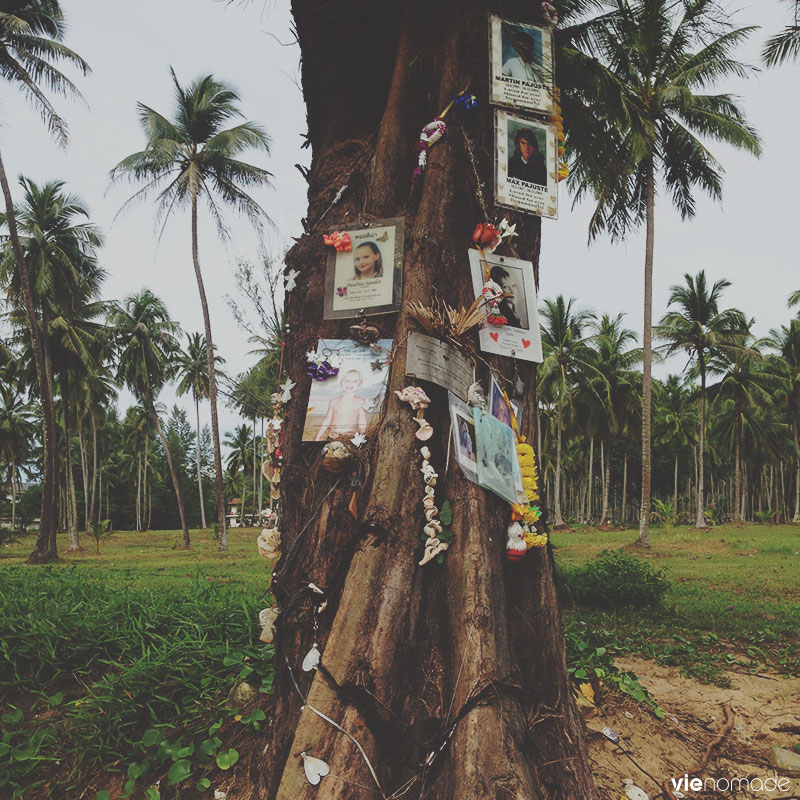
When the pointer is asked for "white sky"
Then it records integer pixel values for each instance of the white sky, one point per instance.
(750, 238)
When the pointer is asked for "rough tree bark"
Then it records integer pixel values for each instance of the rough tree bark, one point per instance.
(453, 677)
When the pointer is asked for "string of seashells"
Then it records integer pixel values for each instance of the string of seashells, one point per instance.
(419, 401)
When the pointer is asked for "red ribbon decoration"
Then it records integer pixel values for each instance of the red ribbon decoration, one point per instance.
(341, 241)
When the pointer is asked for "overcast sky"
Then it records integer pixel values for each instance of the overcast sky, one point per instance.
(748, 239)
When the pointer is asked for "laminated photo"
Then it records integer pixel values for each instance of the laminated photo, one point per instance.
(521, 59)
(350, 402)
(368, 278)
(498, 465)
(525, 164)
(520, 337)
(464, 440)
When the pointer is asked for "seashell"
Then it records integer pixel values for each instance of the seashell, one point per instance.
(429, 501)
(430, 513)
(432, 549)
(312, 659)
(266, 618)
(426, 453)
(433, 527)
(335, 456)
(431, 479)
(315, 768)
(425, 464)
(269, 543)
(425, 429)
(430, 491)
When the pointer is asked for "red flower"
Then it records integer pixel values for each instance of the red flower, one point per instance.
(485, 235)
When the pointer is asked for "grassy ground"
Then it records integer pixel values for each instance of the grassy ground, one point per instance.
(733, 602)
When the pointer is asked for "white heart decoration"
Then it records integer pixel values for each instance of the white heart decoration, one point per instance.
(316, 769)
(312, 659)
(633, 792)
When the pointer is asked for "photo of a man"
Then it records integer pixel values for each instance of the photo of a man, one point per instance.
(512, 306)
(528, 163)
(522, 52)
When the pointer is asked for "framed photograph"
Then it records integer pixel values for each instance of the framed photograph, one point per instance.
(525, 164)
(498, 407)
(464, 441)
(367, 279)
(350, 402)
(521, 59)
(520, 337)
(498, 464)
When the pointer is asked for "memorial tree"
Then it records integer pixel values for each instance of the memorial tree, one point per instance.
(443, 680)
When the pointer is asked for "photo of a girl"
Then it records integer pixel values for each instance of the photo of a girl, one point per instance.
(367, 260)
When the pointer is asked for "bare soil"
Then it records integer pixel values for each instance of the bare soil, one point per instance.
(694, 716)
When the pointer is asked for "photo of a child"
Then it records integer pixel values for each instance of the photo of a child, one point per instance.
(349, 403)
(346, 416)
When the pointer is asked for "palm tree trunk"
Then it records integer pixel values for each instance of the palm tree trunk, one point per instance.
(45, 548)
(589, 508)
(624, 513)
(559, 521)
(199, 474)
(675, 487)
(13, 496)
(261, 475)
(72, 514)
(93, 505)
(737, 497)
(138, 492)
(254, 466)
(212, 381)
(796, 517)
(606, 454)
(175, 485)
(84, 473)
(647, 357)
(701, 518)
(146, 512)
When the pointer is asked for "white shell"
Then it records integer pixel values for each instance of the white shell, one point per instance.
(433, 527)
(429, 501)
(430, 491)
(433, 547)
(430, 513)
(633, 792)
(426, 453)
(312, 659)
(269, 543)
(315, 768)
(431, 479)
(266, 618)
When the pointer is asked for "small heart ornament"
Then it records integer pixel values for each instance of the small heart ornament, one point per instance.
(315, 768)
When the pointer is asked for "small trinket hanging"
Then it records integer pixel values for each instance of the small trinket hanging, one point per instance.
(315, 768)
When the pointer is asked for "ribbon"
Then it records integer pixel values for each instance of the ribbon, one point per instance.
(341, 241)
(319, 372)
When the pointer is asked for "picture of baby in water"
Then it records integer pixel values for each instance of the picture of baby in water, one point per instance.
(346, 414)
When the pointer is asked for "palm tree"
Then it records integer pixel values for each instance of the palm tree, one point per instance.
(647, 62)
(676, 420)
(615, 383)
(147, 344)
(192, 368)
(702, 331)
(567, 362)
(785, 45)
(31, 33)
(786, 341)
(59, 246)
(16, 436)
(748, 386)
(240, 457)
(197, 158)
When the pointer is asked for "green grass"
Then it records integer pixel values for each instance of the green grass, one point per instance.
(732, 602)
(95, 651)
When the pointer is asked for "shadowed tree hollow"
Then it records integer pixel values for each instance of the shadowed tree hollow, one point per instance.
(452, 677)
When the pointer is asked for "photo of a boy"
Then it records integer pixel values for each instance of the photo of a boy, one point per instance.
(346, 415)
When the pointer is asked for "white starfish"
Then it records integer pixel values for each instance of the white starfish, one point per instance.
(287, 387)
(359, 439)
(291, 280)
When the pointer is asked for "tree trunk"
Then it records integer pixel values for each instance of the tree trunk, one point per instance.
(13, 496)
(606, 458)
(737, 499)
(84, 473)
(199, 474)
(796, 517)
(559, 520)
(45, 548)
(589, 510)
(72, 504)
(675, 487)
(624, 513)
(701, 517)
(212, 380)
(254, 467)
(93, 506)
(452, 678)
(647, 357)
(138, 492)
(145, 493)
(175, 484)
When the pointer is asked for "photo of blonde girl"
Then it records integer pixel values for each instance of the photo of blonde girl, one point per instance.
(346, 415)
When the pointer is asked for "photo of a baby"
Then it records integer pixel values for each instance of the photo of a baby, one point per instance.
(349, 403)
